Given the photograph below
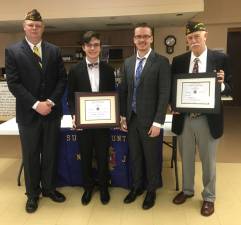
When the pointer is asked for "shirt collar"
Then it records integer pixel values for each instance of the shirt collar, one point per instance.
(32, 45)
(88, 62)
(145, 56)
(202, 58)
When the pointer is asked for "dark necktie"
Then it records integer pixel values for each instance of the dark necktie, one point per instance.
(37, 55)
(137, 80)
(93, 65)
(195, 70)
(196, 67)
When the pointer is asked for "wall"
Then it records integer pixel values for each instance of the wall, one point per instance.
(95, 8)
(217, 38)
(6, 40)
(218, 15)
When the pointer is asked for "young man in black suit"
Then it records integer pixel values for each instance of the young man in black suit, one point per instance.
(92, 75)
(200, 129)
(37, 78)
(144, 97)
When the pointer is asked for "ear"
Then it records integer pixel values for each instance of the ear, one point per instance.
(206, 35)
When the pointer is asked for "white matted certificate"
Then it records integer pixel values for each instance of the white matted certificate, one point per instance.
(196, 93)
(94, 110)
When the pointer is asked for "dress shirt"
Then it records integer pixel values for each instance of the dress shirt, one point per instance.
(37, 45)
(202, 64)
(94, 75)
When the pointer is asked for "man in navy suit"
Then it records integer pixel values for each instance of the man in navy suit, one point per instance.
(92, 75)
(200, 129)
(144, 96)
(37, 78)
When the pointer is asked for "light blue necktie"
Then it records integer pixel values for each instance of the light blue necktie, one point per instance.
(137, 80)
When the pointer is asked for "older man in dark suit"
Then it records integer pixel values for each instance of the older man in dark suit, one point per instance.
(36, 77)
(92, 75)
(203, 130)
(144, 96)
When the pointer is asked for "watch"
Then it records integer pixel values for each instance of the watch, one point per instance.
(170, 42)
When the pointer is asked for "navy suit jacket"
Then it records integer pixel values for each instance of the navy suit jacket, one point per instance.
(29, 83)
(153, 90)
(78, 81)
(215, 61)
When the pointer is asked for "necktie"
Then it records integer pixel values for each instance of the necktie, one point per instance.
(93, 65)
(195, 70)
(37, 55)
(137, 80)
(195, 67)
(139, 70)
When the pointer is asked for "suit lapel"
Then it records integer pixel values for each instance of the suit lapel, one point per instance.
(186, 62)
(132, 65)
(211, 65)
(45, 55)
(86, 74)
(28, 51)
(147, 66)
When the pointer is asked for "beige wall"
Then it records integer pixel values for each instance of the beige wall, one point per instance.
(6, 40)
(15, 10)
(217, 38)
(218, 15)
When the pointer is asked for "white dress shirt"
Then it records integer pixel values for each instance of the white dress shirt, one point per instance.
(94, 75)
(202, 64)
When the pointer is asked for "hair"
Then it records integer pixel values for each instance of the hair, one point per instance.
(89, 35)
(145, 25)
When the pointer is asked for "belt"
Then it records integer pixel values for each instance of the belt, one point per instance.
(194, 115)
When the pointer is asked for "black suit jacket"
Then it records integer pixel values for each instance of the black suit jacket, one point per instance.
(28, 82)
(78, 81)
(215, 61)
(152, 92)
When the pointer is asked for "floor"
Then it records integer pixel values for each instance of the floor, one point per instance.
(71, 212)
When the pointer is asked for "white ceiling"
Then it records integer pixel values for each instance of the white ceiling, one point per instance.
(104, 23)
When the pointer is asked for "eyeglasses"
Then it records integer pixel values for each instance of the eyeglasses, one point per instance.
(95, 45)
(139, 37)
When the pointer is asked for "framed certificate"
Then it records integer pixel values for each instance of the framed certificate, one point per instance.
(95, 110)
(198, 93)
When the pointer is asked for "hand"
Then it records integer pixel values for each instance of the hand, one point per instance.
(43, 108)
(74, 124)
(123, 124)
(172, 112)
(50, 104)
(220, 75)
(154, 131)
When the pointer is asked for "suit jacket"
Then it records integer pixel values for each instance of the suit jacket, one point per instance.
(153, 90)
(29, 83)
(78, 81)
(215, 61)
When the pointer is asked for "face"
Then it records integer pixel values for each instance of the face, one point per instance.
(33, 30)
(92, 49)
(197, 42)
(143, 39)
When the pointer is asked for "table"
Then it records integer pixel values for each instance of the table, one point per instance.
(68, 135)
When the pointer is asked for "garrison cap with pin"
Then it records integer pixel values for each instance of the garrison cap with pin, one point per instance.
(194, 26)
(33, 15)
